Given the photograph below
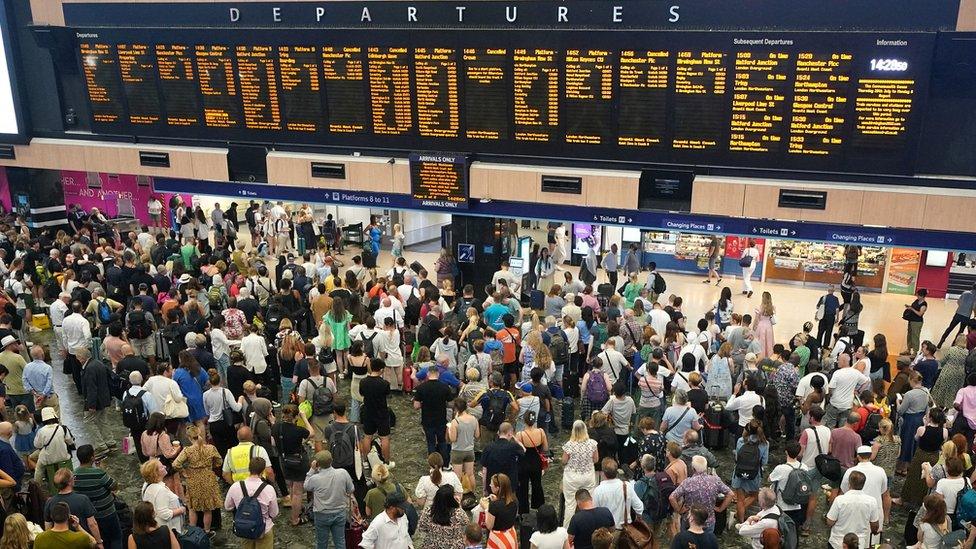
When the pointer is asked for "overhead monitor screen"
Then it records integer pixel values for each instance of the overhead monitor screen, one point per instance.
(812, 101)
(11, 120)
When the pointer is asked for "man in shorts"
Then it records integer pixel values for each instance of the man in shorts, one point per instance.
(375, 410)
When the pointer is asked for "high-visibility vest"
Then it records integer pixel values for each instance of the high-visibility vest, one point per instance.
(240, 460)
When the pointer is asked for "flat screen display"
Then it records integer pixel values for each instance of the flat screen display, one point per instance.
(936, 258)
(11, 119)
(804, 100)
(439, 179)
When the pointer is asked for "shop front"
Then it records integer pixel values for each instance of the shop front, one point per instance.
(817, 264)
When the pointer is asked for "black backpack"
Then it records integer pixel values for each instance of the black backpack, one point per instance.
(871, 427)
(748, 461)
(368, 348)
(660, 286)
(559, 349)
(138, 328)
(411, 313)
(134, 414)
(496, 410)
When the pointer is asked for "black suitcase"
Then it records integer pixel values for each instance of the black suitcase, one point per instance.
(714, 437)
(537, 300)
(568, 406)
(606, 290)
(526, 528)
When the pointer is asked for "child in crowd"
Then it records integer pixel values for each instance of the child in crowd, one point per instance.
(24, 429)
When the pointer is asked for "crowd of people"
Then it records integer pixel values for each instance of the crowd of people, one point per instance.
(261, 377)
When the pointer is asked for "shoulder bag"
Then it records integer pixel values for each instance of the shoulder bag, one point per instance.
(636, 534)
(827, 465)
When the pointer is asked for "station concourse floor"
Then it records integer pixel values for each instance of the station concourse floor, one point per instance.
(794, 303)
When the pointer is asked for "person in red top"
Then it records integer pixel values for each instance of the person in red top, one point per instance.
(867, 406)
(510, 338)
(971, 336)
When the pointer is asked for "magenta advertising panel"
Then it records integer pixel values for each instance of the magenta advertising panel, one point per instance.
(113, 194)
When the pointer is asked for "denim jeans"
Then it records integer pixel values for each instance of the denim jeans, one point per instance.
(354, 406)
(330, 525)
(437, 441)
(111, 531)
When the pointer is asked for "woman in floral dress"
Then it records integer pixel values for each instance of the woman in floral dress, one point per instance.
(952, 376)
(444, 522)
(197, 463)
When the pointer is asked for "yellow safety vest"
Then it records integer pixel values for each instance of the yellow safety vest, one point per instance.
(240, 460)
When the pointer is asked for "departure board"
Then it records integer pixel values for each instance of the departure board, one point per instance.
(221, 99)
(100, 68)
(300, 87)
(138, 70)
(345, 85)
(178, 84)
(805, 100)
(486, 86)
(389, 90)
(439, 179)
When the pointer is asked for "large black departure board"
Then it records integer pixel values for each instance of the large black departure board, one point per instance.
(804, 100)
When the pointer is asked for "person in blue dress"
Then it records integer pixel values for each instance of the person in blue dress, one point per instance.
(193, 380)
(747, 475)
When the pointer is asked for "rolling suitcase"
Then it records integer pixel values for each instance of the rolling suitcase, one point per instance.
(715, 437)
(568, 406)
(407, 379)
(605, 290)
(537, 300)
(96, 348)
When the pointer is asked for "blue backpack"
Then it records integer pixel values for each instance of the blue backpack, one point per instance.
(194, 538)
(248, 518)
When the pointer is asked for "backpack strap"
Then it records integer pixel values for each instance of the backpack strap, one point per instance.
(682, 416)
(54, 434)
(244, 489)
(817, 436)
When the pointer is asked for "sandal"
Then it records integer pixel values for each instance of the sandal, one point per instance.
(301, 522)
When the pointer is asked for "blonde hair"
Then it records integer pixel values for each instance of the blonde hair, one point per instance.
(380, 473)
(598, 419)
(543, 357)
(533, 339)
(193, 433)
(150, 471)
(949, 451)
(886, 430)
(15, 532)
(249, 386)
(579, 433)
(767, 308)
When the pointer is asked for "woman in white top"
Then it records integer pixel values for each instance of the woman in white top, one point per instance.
(398, 239)
(934, 523)
(950, 486)
(548, 534)
(215, 399)
(545, 271)
(169, 510)
(428, 484)
(446, 347)
(747, 270)
(579, 455)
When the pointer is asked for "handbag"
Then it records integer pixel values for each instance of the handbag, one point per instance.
(636, 534)
(227, 412)
(354, 534)
(746, 261)
(291, 461)
(827, 465)
(175, 410)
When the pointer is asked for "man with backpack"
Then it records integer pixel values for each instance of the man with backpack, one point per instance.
(137, 405)
(793, 484)
(255, 506)
(655, 283)
(701, 488)
(321, 392)
(497, 405)
(140, 326)
(343, 437)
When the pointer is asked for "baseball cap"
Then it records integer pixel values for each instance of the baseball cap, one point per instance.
(863, 450)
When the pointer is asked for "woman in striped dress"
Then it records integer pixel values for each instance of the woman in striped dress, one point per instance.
(502, 514)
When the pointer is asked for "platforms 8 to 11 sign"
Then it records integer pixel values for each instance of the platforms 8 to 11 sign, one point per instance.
(439, 180)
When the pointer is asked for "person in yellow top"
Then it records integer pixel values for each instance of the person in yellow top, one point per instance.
(238, 459)
(15, 364)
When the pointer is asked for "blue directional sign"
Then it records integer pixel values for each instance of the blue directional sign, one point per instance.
(465, 253)
(667, 221)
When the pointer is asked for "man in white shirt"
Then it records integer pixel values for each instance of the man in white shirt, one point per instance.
(804, 387)
(58, 311)
(571, 309)
(387, 310)
(389, 530)
(611, 492)
(753, 527)
(875, 479)
(615, 364)
(145, 239)
(255, 351)
(76, 332)
(745, 402)
(387, 346)
(278, 210)
(407, 289)
(659, 318)
(854, 511)
(779, 475)
(148, 404)
(842, 387)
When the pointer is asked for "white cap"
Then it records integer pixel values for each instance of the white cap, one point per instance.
(861, 450)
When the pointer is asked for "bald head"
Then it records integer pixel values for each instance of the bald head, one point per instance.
(244, 434)
(6, 429)
(387, 302)
(37, 352)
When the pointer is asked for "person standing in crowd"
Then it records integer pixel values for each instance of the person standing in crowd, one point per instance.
(750, 257)
(376, 413)
(97, 400)
(390, 529)
(65, 531)
(256, 487)
(915, 315)
(701, 489)
(757, 524)
(965, 306)
(714, 254)
(98, 486)
(332, 490)
(762, 324)
(197, 463)
(853, 512)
